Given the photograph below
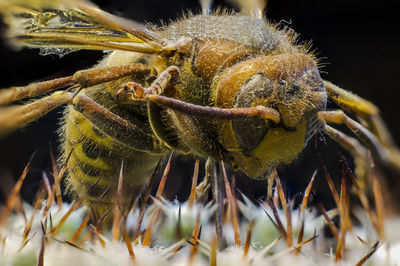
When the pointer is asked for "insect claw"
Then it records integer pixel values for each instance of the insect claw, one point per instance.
(78, 87)
(129, 93)
(202, 189)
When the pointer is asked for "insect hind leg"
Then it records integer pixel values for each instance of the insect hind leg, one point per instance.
(17, 116)
(13, 117)
(389, 156)
(356, 149)
(13, 94)
(83, 78)
(114, 125)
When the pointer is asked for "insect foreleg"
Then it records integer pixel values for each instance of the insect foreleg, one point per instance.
(17, 116)
(170, 76)
(132, 91)
(114, 125)
(157, 93)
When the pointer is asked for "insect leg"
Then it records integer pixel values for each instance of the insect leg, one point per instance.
(90, 77)
(389, 156)
(205, 185)
(355, 148)
(114, 125)
(13, 94)
(84, 78)
(216, 179)
(365, 109)
(133, 91)
(17, 116)
(212, 178)
(169, 76)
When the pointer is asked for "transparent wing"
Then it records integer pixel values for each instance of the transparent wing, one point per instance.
(252, 8)
(59, 27)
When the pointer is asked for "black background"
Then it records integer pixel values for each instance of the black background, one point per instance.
(358, 42)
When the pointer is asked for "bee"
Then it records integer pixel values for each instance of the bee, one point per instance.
(230, 87)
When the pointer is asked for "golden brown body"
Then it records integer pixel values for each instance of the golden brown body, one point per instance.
(213, 65)
(228, 87)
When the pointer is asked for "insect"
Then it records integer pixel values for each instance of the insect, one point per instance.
(225, 86)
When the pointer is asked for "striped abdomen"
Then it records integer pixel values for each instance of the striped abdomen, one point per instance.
(96, 159)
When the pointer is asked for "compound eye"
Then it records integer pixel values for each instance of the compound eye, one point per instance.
(257, 87)
(250, 131)
(289, 93)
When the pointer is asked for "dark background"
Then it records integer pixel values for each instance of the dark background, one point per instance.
(358, 44)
